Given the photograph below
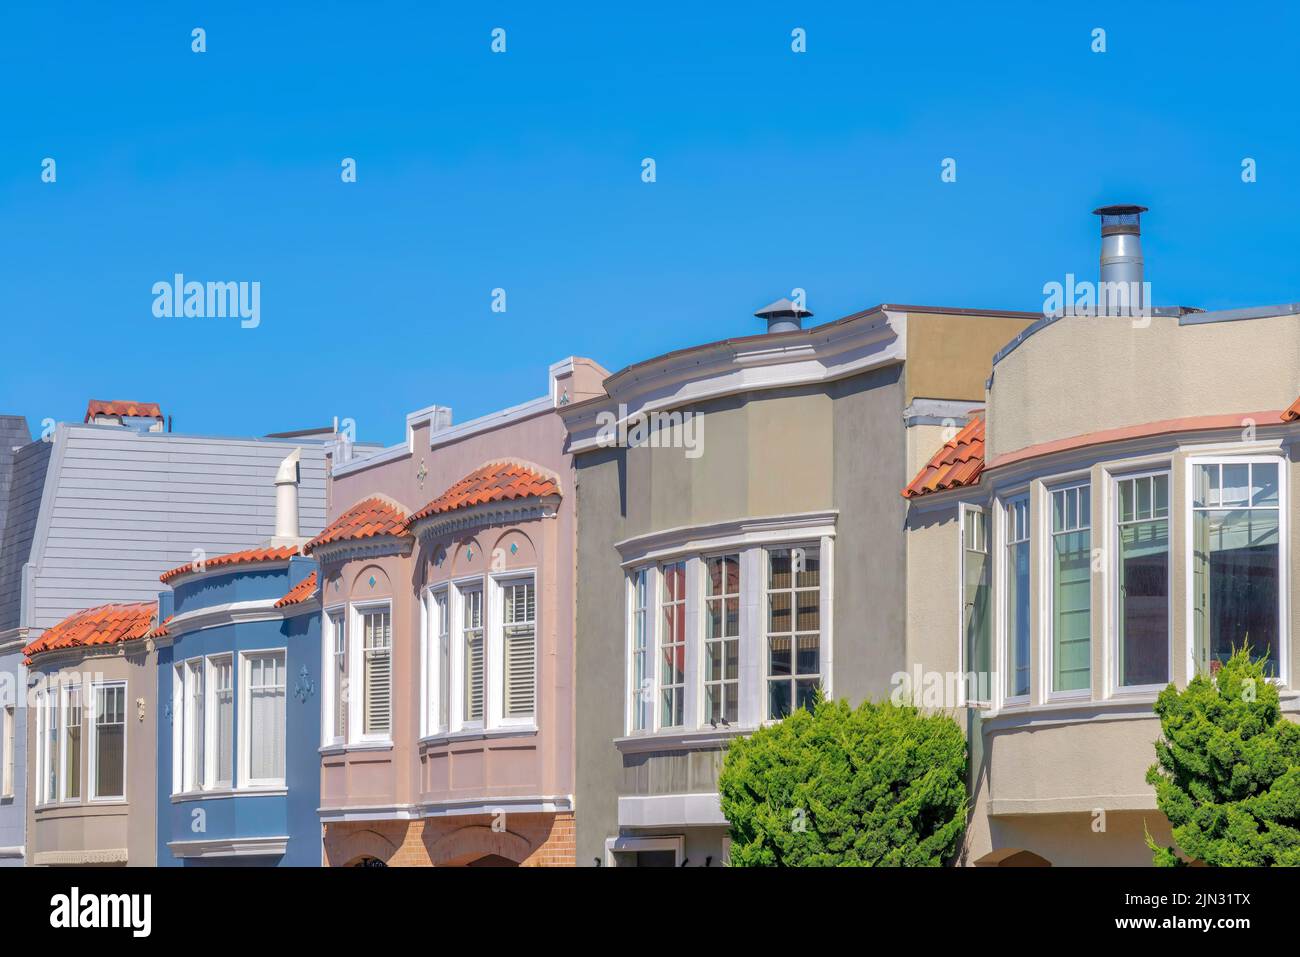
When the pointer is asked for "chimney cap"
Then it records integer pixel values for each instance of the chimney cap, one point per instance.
(782, 307)
(1120, 210)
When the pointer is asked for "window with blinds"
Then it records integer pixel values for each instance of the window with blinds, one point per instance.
(377, 637)
(519, 649)
(108, 742)
(266, 701)
(437, 652)
(472, 639)
(50, 757)
(192, 777)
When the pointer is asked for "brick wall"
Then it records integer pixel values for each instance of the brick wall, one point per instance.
(532, 840)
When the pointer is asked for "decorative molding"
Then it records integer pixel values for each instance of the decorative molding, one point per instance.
(701, 740)
(230, 847)
(688, 539)
(112, 855)
(379, 546)
(671, 810)
(491, 513)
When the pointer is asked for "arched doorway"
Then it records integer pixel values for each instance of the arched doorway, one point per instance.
(1013, 857)
(367, 861)
(492, 860)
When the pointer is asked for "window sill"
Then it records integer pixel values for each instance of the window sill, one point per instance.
(679, 740)
(357, 746)
(219, 793)
(477, 734)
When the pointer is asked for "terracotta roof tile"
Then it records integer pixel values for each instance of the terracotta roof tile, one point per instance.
(281, 554)
(144, 410)
(299, 593)
(494, 482)
(103, 625)
(1292, 413)
(369, 518)
(959, 463)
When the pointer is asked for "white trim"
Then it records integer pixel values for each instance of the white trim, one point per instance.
(1244, 457)
(683, 540)
(456, 714)
(676, 844)
(13, 851)
(244, 779)
(1047, 591)
(1113, 478)
(108, 855)
(235, 612)
(330, 689)
(494, 648)
(217, 795)
(690, 740)
(463, 807)
(479, 734)
(356, 674)
(230, 847)
(671, 810)
(92, 764)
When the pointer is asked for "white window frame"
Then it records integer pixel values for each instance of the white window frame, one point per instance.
(435, 676)
(1113, 480)
(676, 844)
(729, 686)
(65, 694)
(43, 797)
(822, 619)
(244, 720)
(633, 692)
(1048, 587)
(752, 546)
(494, 648)
(1283, 677)
(456, 714)
(1003, 573)
(330, 690)
(687, 632)
(8, 743)
(965, 698)
(357, 674)
(92, 764)
(211, 757)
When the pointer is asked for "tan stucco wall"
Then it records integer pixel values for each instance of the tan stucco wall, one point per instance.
(1083, 374)
(88, 828)
(949, 356)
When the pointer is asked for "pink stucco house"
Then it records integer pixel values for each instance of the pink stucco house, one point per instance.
(447, 570)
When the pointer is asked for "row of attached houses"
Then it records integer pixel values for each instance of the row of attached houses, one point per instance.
(528, 639)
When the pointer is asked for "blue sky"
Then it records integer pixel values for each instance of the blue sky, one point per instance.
(522, 171)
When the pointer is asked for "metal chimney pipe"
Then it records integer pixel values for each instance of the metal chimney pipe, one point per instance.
(1121, 291)
(783, 316)
(286, 499)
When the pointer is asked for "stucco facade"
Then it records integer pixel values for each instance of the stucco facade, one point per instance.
(1186, 407)
(477, 764)
(776, 483)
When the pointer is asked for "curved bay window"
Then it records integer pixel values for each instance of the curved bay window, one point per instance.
(1142, 530)
(1236, 561)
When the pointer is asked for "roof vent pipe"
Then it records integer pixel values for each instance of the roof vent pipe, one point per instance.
(783, 316)
(1122, 291)
(286, 500)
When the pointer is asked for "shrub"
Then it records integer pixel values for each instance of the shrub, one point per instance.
(1228, 770)
(879, 785)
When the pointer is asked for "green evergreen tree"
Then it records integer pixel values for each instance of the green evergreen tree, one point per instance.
(880, 785)
(1228, 770)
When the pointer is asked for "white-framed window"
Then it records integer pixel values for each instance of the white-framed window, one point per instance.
(334, 696)
(220, 722)
(70, 765)
(262, 730)
(47, 745)
(193, 711)
(1238, 579)
(1070, 595)
(108, 742)
(377, 661)
(672, 644)
(8, 742)
(641, 646)
(793, 629)
(976, 617)
(472, 654)
(722, 590)
(1018, 596)
(514, 645)
(436, 653)
(1141, 586)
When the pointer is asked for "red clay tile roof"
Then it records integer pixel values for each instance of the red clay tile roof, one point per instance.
(161, 631)
(1292, 413)
(369, 518)
(104, 625)
(299, 593)
(494, 482)
(281, 554)
(958, 464)
(144, 410)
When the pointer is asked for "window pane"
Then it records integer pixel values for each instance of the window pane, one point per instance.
(1235, 584)
(793, 605)
(223, 675)
(519, 651)
(1144, 603)
(72, 746)
(1236, 485)
(472, 645)
(976, 621)
(267, 717)
(110, 741)
(1071, 615)
(1018, 619)
(1263, 484)
(672, 645)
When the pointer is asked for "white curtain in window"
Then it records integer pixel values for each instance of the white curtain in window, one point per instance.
(266, 720)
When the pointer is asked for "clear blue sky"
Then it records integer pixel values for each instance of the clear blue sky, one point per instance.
(522, 171)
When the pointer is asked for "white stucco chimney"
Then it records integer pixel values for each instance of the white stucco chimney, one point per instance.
(286, 501)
